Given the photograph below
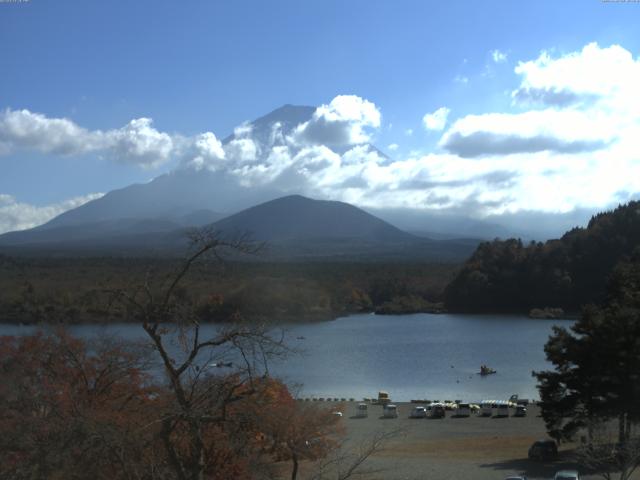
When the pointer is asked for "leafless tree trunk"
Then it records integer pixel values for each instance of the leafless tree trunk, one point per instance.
(609, 459)
(197, 404)
(348, 462)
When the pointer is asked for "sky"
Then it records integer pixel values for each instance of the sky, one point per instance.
(488, 108)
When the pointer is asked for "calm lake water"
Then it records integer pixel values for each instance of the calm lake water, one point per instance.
(411, 356)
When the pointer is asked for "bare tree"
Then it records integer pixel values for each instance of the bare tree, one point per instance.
(610, 459)
(200, 399)
(346, 462)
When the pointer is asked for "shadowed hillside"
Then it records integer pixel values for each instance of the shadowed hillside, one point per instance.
(297, 218)
(567, 273)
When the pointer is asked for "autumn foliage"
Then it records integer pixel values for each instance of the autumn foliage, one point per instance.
(75, 409)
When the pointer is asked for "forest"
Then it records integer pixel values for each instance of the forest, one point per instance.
(70, 290)
(568, 273)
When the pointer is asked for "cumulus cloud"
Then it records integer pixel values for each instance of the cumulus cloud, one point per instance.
(588, 99)
(528, 132)
(609, 75)
(138, 142)
(436, 120)
(393, 147)
(344, 121)
(536, 159)
(201, 151)
(16, 215)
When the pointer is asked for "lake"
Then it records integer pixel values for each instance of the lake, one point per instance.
(411, 356)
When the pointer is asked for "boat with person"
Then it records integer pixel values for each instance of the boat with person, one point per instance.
(484, 370)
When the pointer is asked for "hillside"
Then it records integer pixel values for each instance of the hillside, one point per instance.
(297, 218)
(507, 276)
(293, 227)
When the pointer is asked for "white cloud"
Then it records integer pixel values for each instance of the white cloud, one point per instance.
(436, 120)
(408, 132)
(138, 142)
(555, 158)
(393, 147)
(498, 57)
(461, 79)
(605, 76)
(589, 103)
(15, 215)
(344, 121)
(534, 131)
(201, 151)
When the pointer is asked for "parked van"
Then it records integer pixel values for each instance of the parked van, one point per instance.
(390, 411)
(486, 409)
(362, 410)
(502, 409)
(462, 410)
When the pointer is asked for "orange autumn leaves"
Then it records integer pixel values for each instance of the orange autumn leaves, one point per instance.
(76, 409)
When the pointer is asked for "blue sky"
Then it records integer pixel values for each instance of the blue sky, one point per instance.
(203, 66)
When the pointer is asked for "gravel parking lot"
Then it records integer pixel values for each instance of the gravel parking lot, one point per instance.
(453, 448)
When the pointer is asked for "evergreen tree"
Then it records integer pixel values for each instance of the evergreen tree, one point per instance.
(597, 363)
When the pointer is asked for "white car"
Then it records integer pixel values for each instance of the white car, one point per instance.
(390, 411)
(362, 410)
(462, 410)
(567, 475)
(419, 412)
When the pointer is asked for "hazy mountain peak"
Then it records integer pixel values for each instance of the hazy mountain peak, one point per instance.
(298, 217)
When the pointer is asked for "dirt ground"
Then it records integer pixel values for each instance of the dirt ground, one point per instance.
(453, 448)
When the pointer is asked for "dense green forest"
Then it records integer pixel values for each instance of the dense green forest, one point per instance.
(508, 276)
(68, 290)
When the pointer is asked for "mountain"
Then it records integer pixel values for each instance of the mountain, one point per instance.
(293, 227)
(184, 191)
(152, 217)
(296, 227)
(569, 272)
(296, 218)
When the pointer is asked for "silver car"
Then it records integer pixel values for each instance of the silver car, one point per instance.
(566, 475)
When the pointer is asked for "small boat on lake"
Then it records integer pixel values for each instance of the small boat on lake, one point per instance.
(484, 370)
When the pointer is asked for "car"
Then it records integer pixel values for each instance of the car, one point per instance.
(566, 475)
(543, 450)
(436, 411)
(501, 410)
(390, 411)
(418, 412)
(362, 410)
(336, 414)
(462, 410)
(521, 411)
(516, 477)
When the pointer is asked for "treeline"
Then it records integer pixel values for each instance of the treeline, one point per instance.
(37, 290)
(509, 276)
